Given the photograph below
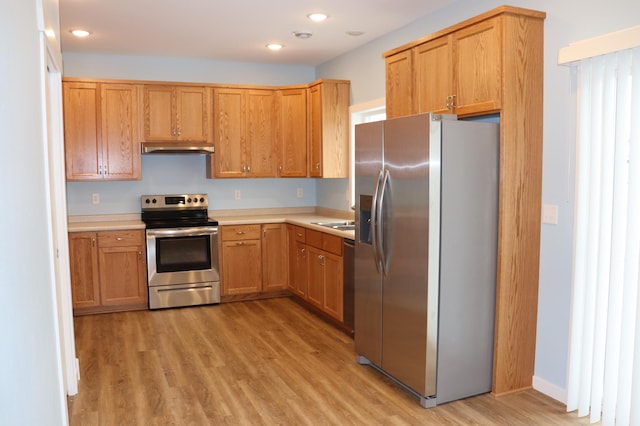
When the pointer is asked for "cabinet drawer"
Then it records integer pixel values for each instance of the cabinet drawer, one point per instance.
(324, 241)
(332, 244)
(300, 233)
(120, 238)
(240, 232)
(313, 238)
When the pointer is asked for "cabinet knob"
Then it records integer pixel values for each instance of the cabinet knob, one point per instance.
(299, 234)
(119, 238)
(241, 243)
(239, 232)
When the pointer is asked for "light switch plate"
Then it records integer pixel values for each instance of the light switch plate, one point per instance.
(550, 214)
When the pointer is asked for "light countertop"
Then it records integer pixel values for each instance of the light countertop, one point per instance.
(132, 221)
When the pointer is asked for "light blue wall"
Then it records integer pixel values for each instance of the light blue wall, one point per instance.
(170, 174)
(567, 21)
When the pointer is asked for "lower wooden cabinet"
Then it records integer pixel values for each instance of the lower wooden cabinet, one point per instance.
(317, 272)
(253, 258)
(108, 271)
(297, 282)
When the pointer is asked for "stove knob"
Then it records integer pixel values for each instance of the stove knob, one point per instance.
(147, 201)
(154, 201)
(202, 199)
(188, 200)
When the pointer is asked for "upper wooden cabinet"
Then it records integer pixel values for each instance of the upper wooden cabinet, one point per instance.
(244, 134)
(329, 129)
(454, 71)
(399, 84)
(493, 63)
(100, 131)
(292, 132)
(177, 113)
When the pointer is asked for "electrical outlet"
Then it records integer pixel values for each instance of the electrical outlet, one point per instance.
(236, 194)
(300, 193)
(95, 198)
(550, 214)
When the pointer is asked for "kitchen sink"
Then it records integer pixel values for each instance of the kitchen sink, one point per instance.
(342, 225)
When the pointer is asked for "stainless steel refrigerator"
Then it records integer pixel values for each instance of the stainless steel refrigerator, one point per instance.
(425, 255)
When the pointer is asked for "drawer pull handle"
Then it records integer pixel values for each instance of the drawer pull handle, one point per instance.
(299, 234)
(119, 238)
(239, 232)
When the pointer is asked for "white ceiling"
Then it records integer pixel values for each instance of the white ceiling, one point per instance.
(235, 30)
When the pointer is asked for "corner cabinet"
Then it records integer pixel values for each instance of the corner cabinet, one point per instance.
(101, 131)
(292, 132)
(492, 64)
(108, 271)
(329, 129)
(176, 113)
(253, 260)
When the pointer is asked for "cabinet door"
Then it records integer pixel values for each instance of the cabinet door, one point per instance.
(260, 142)
(333, 285)
(82, 131)
(292, 132)
(120, 145)
(315, 280)
(83, 255)
(297, 261)
(123, 276)
(159, 113)
(433, 75)
(301, 273)
(228, 108)
(274, 261)
(478, 67)
(241, 267)
(399, 84)
(315, 132)
(192, 120)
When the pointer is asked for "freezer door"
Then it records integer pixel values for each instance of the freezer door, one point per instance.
(408, 350)
(368, 281)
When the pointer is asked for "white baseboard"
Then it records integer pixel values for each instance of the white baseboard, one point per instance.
(549, 389)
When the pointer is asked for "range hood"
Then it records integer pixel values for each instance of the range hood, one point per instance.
(176, 148)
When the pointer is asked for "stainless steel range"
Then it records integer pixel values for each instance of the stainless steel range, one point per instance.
(182, 250)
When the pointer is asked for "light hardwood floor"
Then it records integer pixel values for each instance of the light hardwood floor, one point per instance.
(261, 362)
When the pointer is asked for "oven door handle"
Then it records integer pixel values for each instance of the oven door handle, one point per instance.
(182, 232)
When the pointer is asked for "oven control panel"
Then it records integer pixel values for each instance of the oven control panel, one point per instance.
(174, 201)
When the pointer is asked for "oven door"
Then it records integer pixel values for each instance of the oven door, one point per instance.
(182, 255)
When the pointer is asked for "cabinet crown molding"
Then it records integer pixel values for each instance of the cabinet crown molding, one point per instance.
(501, 10)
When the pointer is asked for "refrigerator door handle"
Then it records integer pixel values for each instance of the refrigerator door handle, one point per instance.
(384, 261)
(374, 222)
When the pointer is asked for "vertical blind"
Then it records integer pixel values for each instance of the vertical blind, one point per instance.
(604, 353)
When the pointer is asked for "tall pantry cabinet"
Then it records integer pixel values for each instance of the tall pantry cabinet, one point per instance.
(492, 64)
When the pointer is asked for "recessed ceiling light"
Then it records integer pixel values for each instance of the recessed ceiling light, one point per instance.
(274, 46)
(355, 33)
(80, 33)
(317, 17)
